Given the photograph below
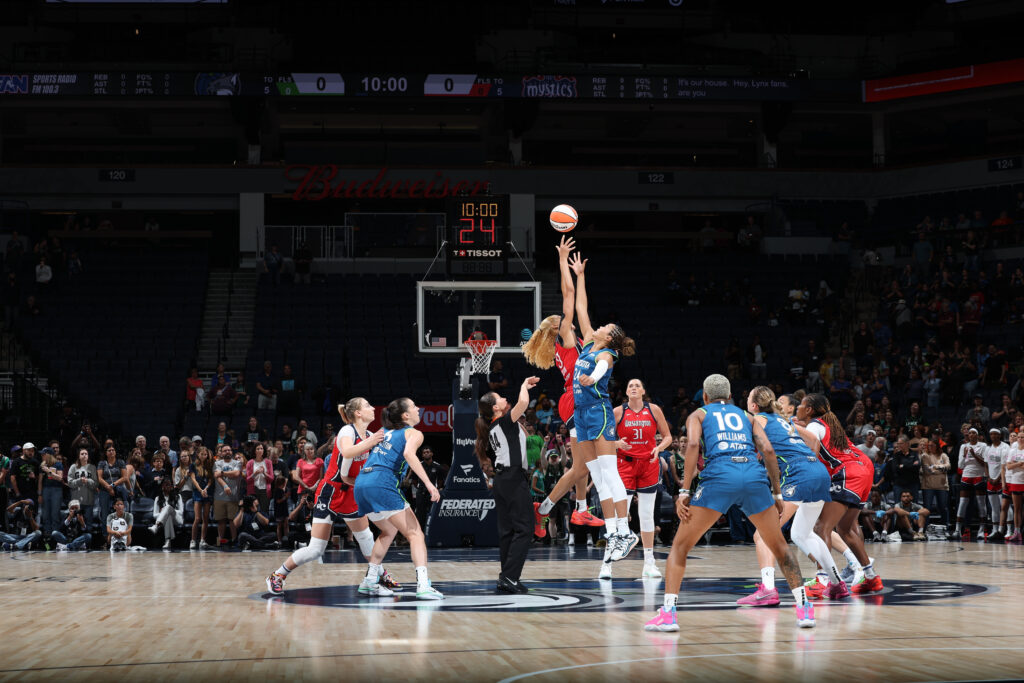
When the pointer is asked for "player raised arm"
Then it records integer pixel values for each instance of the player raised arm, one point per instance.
(578, 265)
(524, 398)
(565, 329)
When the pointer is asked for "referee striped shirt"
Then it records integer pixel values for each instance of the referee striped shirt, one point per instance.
(508, 441)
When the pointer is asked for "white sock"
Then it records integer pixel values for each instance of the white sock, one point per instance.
(958, 530)
(800, 595)
(546, 506)
(421, 577)
(373, 573)
(623, 526)
(648, 555)
(768, 578)
(581, 505)
(670, 600)
(869, 571)
(610, 526)
(852, 559)
(822, 577)
(284, 571)
(1002, 530)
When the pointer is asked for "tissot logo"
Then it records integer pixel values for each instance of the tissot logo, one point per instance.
(588, 595)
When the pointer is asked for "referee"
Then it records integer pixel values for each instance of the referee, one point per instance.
(499, 434)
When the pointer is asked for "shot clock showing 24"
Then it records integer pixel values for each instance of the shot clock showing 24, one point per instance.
(478, 236)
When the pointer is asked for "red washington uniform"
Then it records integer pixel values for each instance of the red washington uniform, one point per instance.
(852, 472)
(335, 498)
(566, 359)
(639, 430)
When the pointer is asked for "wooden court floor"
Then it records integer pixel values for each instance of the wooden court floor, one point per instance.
(950, 611)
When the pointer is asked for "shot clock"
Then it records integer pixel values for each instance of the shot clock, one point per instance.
(477, 236)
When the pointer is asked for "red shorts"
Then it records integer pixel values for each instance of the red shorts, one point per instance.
(639, 474)
(335, 500)
(566, 409)
(994, 486)
(851, 481)
(1014, 488)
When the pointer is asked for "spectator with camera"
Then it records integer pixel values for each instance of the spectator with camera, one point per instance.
(279, 495)
(119, 527)
(303, 515)
(168, 510)
(21, 516)
(74, 527)
(252, 526)
(82, 482)
(226, 474)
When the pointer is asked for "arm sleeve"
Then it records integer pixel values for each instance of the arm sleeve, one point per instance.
(598, 373)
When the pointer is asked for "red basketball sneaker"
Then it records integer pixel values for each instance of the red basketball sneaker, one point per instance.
(540, 522)
(585, 519)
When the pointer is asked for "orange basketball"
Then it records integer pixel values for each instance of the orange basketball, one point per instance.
(563, 218)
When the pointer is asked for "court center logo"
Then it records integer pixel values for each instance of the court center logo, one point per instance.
(589, 595)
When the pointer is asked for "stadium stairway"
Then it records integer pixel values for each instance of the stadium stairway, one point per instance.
(228, 319)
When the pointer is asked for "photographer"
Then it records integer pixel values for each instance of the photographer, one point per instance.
(303, 514)
(252, 526)
(82, 482)
(74, 527)
(21, 515)
(168, 511)
(86, 439)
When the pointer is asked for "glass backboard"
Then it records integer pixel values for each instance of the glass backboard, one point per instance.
(447, 313)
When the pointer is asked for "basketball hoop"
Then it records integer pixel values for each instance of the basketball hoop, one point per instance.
(480, 352)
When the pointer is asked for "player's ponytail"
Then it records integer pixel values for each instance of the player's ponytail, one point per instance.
(391, 418)
(348, 409)
(483, 425)
(540, 348)
(764, 399)
(821, 408)
(620, 343)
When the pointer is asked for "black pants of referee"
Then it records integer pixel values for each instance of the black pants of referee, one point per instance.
(514, 505)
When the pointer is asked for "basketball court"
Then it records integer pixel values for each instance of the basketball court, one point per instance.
(948, 612)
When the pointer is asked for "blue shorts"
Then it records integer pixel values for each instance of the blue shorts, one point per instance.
(725, 483)
(595, 420)
(805, 482)
(379, 494)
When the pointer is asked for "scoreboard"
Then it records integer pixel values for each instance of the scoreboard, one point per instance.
(477, 236)
(633, 86)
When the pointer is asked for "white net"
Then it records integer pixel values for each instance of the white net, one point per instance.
(480, 351)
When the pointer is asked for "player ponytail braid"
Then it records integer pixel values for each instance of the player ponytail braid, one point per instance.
(821, 408)
(764, 399)
(619, 342)
(483, 425)
(540, 348)
(348, 409)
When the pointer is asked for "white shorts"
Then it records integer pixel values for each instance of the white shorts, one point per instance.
(378, 516)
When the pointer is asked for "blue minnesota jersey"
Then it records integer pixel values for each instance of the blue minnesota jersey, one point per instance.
(726, 432)
(585, 365)
(388, 455)
(785, 440)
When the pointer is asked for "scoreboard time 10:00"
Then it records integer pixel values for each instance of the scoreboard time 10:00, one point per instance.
(478, 235)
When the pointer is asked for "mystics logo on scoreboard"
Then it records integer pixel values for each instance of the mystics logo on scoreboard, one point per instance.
(549, 86)
(589, 595)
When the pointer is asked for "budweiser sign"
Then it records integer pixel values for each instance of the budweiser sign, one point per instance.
(320, 181)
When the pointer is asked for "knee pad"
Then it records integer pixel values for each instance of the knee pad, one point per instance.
(612, 480)
(645, 508)
(365, 540)
(315, 549)
(596, 473)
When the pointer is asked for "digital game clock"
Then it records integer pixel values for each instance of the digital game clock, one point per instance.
(477, 236)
